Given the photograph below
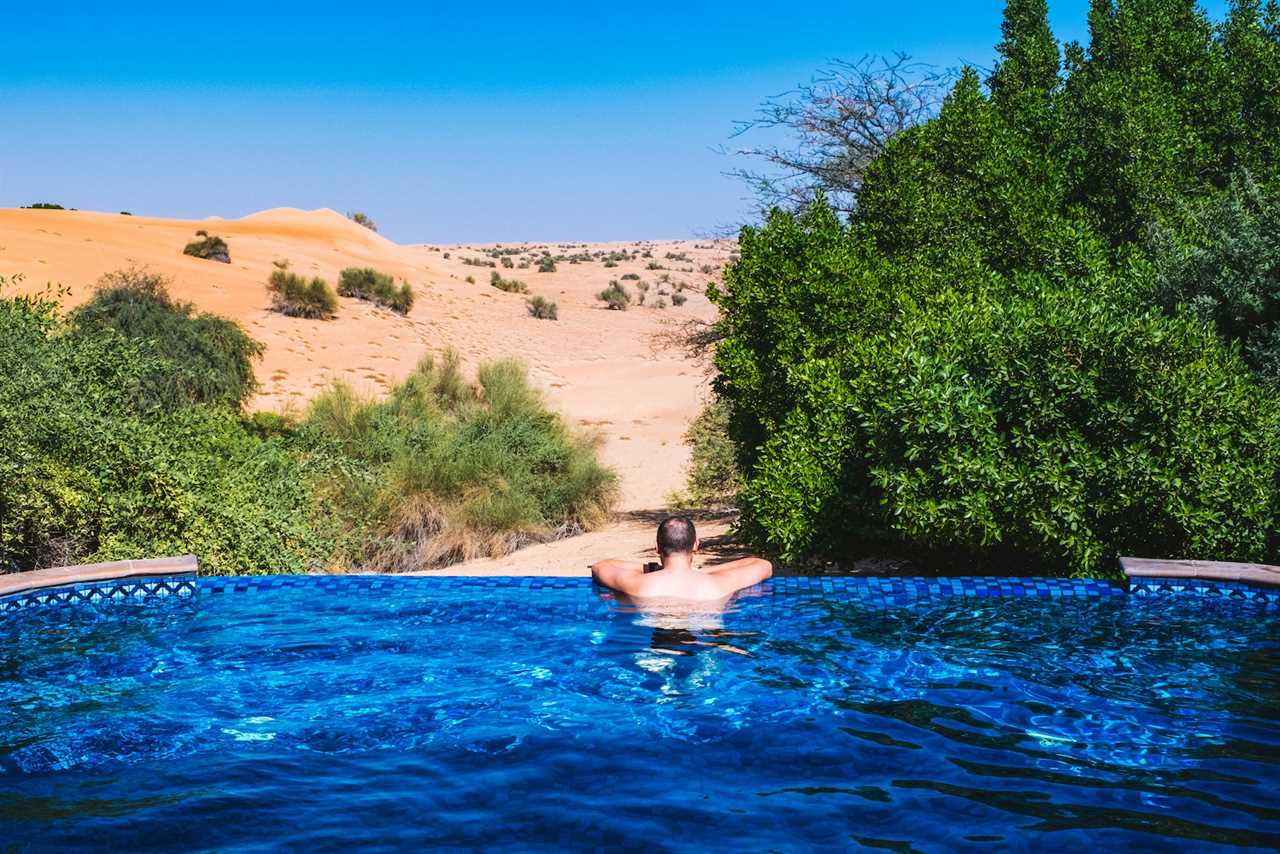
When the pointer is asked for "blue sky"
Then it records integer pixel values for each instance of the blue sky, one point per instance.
(473, 122)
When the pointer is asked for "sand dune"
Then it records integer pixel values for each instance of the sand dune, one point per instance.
(598, 367)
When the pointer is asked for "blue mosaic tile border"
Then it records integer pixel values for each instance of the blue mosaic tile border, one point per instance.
(113, 590)
(1240, 591)
(869, 590)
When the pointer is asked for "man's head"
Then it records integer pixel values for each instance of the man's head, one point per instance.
(676, 536)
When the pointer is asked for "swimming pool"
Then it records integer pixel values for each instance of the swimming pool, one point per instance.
(325, 713)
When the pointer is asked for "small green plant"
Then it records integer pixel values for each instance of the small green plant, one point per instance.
(615, 297)
(294, 296)
(631, 277)
(379, 288)
(506, 262)
(209, 247)
(542, 308)
(511, 286)
(546, 264)
(653, 265)
(45, 206)
(362, 219)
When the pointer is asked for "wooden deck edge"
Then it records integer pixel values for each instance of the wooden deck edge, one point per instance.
(1208, 570)
(60, 576)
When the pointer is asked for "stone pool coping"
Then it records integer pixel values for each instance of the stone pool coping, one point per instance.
(62, 576)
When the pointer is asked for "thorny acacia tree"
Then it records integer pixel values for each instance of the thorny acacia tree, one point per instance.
(837, 124)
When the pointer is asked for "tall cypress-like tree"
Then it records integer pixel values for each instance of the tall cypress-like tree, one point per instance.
(1251, 41)
(1026, 74)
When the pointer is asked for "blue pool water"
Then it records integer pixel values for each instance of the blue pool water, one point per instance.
(427, 713)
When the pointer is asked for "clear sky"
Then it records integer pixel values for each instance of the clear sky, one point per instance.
(494, 121)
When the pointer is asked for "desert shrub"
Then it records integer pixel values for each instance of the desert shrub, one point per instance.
(635, 277)
(362, 219)
(444, 470)
(471, 280)
(511, 286)
(367, 283)
(506, 262)
(678, 299)
(209, 247)
(44, 206)
(542, 308)
(1223, 264)
(209, 359)
(294, 296)
(616, 296)
(642, 287)
(125, 213)
(93, 467)
(708, 269)
(610, 263)
(546, 264)
(653, 265)
(661, 303)
(713, 478)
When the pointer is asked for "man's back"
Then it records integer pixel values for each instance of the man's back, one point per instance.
(683, 582)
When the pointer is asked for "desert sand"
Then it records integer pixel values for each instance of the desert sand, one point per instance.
(600, 369)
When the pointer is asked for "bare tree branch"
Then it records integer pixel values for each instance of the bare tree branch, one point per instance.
(841, 121)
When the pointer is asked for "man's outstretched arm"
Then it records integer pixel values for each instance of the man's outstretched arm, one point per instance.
(615, 573)
(743, 572)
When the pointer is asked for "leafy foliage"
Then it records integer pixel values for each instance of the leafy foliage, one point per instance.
(95, 466)
(362, 219)
(542, 308)
(367, 283)
(714, 479)
(443, 470)
(511, 286)
(208, 359)
(1224, 265)
(1020, 345)
(294, 296)
(208, 247)
(616, 297)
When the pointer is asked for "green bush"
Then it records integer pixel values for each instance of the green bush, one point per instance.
(546, 264)
(1002, 353)
(45, 206)
(634, 277)
(294, 296)
(94, 468)
(362, 219)
(678, 299)
(208, 359)
(616, 296)
(511, 286)
(367, 283)
(542, 308)
(208, 247)
(444, 471)
(714, 479)
(1223, 264)
(1007, 420)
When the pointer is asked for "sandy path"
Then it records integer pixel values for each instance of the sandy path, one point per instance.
(597, 367)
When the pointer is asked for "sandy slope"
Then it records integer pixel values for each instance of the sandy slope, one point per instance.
(598, 367)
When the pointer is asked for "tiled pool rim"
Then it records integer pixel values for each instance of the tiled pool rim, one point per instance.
(874, 591)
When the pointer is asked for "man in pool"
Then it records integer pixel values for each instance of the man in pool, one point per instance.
(677, 578)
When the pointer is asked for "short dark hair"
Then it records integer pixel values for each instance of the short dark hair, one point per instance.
(676, 535)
